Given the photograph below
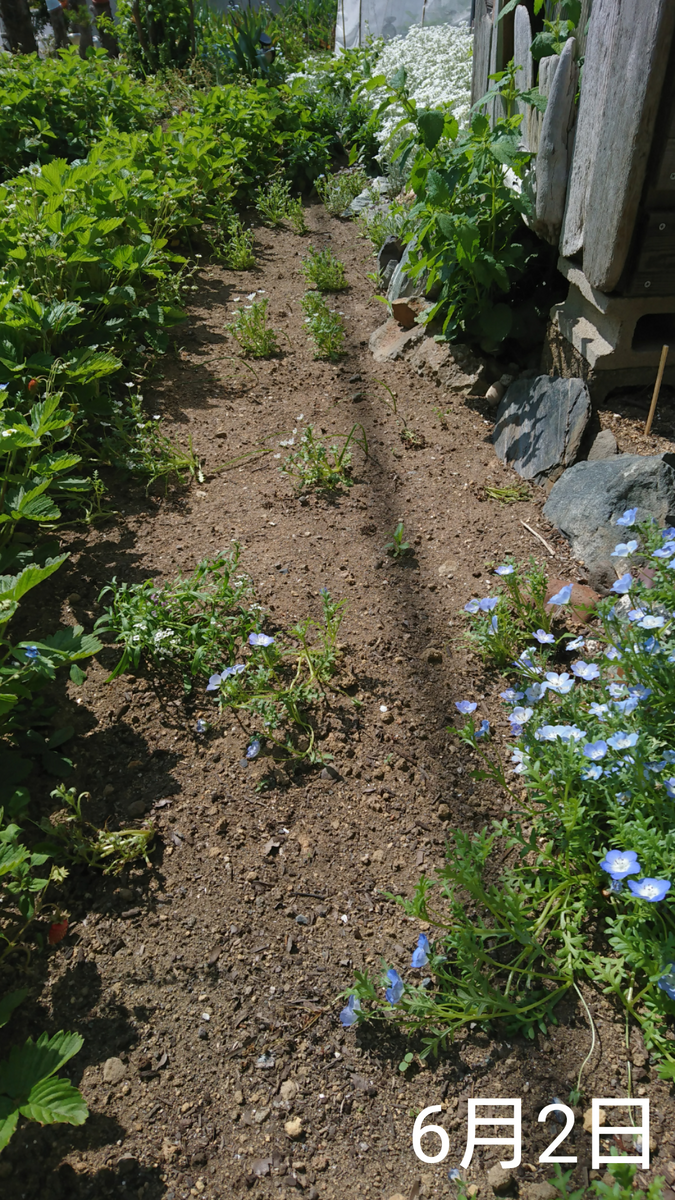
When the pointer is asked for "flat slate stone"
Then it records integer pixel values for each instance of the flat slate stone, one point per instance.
(540, 424)
(553, 155)
(604, 446)
(586, 501)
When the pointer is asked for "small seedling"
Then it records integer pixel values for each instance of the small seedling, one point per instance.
(412, 439)
(249, 328)
(324, 270)
(337, 191)
(237, 252)
(324, 326)
(406, 1062)
(511, 494)
(314, 466)
(273, 202)
(397, 547)
(296, 215)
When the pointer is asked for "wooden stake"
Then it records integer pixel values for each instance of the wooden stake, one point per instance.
(657, 389)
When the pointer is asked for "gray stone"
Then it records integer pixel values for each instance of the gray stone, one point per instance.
(390, 342)
(553, 155)
(500, 1179)
(586, 501)
(637, 62)
(114, 1070)
(402, 284)
(604, 446)
(540, 424)
(541, 1191)
(391, 251)
(387, 274)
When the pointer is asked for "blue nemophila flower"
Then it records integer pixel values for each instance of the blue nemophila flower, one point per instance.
(668, 533)
(651, 890)
(616, 690)
(348, 1015)
(623, 585)
(525, 660)
(669, 785)
(454, 1174)
(636, 614)
(504, 570)
(667, 982)
(395, 991)
(595, 750)
(536, 691)
(259, 639)
(598, 710)
(665, 551)
(628, 517)
(577, 644)
(587, 671)
(472, 607)
(488, 603)
(420, 955)
(235, 670)
(31, 653)
(516, 729)
(253, 749)
(563, 596)
(522, 759)
(566, 733)
(511, 695)
(651, 622)
(624, 549)
(613, 652)
(483, 729)
(561, 684)
(521, 715)
(626, 707)
(214, 683)
(543, 637)
(622, 740)
(593, 771)
(466, 706)
(202, 725)
(494, 625)
(620, 863)
(651, 646)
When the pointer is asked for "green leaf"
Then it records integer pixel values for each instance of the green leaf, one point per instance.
(9, 1002)
(14, 587)
(508, 8)
(496, 322)
(437, 189)
(667, 1070)
(53, 1101)
(536, 98)
(8, 1120)
(431, 124)
(398, 79)
(33, 1062)
(77, 675)
(544, 44)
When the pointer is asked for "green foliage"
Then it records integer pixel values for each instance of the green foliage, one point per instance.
(230, 42)
(279, 682)
(250, 329)
(314, 467)
(500, 632)
(525, 910)
(469, 239)
(324, 326)
(28, 1087)
(71, 837)
(135, 443)
(622, 1186)
(272, 201)
(187, 625)
(398, 547)
(324, 270)
(337, 191)
(156, 34)
(377, 224)
(304, 25)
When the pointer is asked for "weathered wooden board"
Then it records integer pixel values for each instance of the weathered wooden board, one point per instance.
(553, 155)
(547, 69)
(635, 62)
(522, 40)
(482, 36)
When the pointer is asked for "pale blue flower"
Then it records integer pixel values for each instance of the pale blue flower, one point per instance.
(642, 693)
(348, 1015)
(472, 606)
(516, 729)
(623, 585)
(521, 715)
(466, 706)
(202, 725)
(253, 749)
(522, 759)
(665, 551)
(622, 740)
(624, 549)
(626, 707)
(420, 955)
(668, 533)
(395, 991)
(454, 1175)
(598, 710)
(566, 733)
(620, 863)
(636, 614)
(511, 695)
(623, 797)
(595, 750)
(31, 653)
(628, 517)
(535, 692)
(651, 622)
(483, 729)
(563, 596)
(593, 771)
(214, 683)
(667, 982)
(260, 639)
(669, 785)
(504, 570)
(525, 660)
(651, 646)
(543, 637)
(488, 603)
(494, 626)
(613, 652)
(561, 684)
(587, 671)
(616, 690)
(577, 644)
(651, 890)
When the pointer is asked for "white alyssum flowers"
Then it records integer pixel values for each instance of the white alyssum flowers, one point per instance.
(438, 61)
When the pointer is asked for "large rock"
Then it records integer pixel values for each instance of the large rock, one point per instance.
(402, 284)
(585, 502)
(389, 342)
(540, 424)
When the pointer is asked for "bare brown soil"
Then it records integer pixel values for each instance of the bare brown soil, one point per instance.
(214, 975)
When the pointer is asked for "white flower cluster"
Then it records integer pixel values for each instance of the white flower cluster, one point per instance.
(165, 643)
(437, 60)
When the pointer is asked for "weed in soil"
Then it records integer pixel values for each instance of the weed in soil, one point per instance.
(324, 326)
(324, 270)
(250, 329)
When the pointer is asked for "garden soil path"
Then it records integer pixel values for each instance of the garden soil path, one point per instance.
(212, 979)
